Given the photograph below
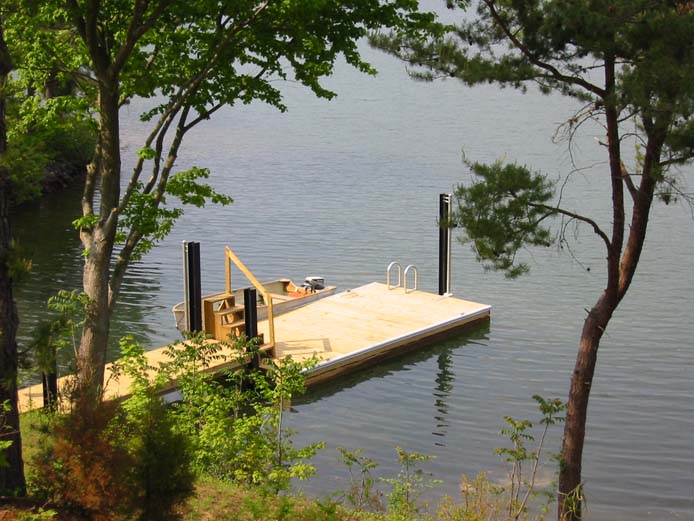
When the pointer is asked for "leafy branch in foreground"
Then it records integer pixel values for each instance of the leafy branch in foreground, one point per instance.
(487, 500)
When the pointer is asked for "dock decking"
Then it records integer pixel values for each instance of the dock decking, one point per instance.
(346, 331)
(368, 323)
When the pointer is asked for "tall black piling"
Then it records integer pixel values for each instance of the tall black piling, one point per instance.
(250, 318)
(444, 244)
(193, 289)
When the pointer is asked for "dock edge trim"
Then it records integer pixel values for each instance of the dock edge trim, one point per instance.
(382, 345)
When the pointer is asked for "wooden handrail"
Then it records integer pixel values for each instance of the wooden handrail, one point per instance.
(231, 256)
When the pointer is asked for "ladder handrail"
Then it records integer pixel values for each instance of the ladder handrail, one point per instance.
(231, 256)
(416, 277)
(390, 267)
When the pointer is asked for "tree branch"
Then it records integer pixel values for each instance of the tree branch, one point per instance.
(642, 206)
(135, 235)
(136, 30)
(616, 180)
(556, 74)
(633, 191)
(578, 217)
(158, 133)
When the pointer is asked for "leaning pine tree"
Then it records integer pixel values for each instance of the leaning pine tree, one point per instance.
(630, 63)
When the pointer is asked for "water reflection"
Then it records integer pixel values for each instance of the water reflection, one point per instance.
(444, 386)
(413, 401)
(444, 378)
(44, 233)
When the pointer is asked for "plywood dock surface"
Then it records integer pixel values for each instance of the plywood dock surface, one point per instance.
(345, 331)
(367, 323)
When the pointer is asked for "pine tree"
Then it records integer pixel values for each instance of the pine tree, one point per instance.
(630, 63)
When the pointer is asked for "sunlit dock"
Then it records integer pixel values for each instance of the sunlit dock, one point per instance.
(346, 331)
(361, 326)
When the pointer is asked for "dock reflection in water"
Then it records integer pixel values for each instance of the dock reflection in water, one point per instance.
(427, 384)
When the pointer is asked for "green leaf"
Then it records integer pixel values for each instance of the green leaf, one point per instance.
(502, 211)
(86, 221)
(146, 153)
(187, 188)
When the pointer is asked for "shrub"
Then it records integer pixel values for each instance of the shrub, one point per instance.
(235, 421)
(83, 464)
(113, 460)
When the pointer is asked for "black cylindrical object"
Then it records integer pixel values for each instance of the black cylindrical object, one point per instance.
(50, 389)
(444, 244)
(250, 318)
(193, 287)
(250, 312)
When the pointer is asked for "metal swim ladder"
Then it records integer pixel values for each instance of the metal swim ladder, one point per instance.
(402, 277)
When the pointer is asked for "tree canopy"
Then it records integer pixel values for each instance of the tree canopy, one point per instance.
(190, 59)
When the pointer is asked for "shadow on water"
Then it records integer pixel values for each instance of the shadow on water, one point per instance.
(44, 233)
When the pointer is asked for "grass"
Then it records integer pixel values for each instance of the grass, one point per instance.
(218, 500)
(214, 500)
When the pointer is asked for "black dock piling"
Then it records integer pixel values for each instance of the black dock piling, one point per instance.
(250, 318)
(444, 244)
(193, 290)
(50, 390)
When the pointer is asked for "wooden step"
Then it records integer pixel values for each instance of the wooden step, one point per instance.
(228, 311)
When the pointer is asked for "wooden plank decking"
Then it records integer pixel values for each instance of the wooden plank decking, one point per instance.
(368, 323)
(346, 331)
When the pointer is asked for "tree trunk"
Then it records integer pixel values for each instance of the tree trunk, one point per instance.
(12, 476)
(570, 490)
(99, 242)
(91, 357)
(12, 480)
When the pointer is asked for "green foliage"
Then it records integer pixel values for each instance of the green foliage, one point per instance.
(55, 134)
(5, 408)
(111, 459)
(18, 264)
(522, 483)
(408, 486)
(362, 494)
(629, 66)
(62, 126)
(223, 501)
(146, 214)
(186, 187)
(482, 500)
(571, 48)
(85, 222)
(190, 59)
(150, 220)
(163, 474)
(64, 330)
(40, 515)
(503, 211)
(27, 165)
(235, 422)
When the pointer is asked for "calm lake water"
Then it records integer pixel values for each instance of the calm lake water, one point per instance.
(342, 188)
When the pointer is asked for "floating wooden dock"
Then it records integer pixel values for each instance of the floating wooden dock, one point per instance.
(346, 331)
(360, 326)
